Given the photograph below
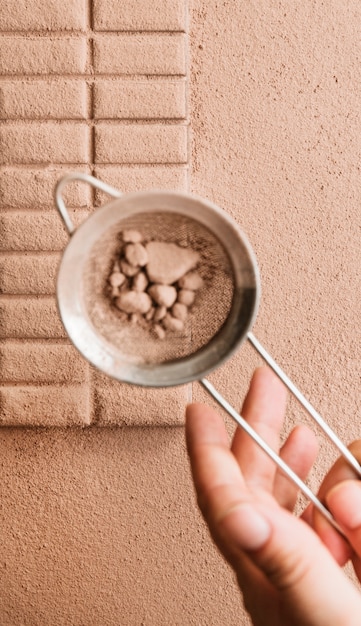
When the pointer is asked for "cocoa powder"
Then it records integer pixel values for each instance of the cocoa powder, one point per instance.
(147, 279)
(202, 312)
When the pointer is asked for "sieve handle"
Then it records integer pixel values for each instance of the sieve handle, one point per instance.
(271, 453)
(86, 178)
(345, 452)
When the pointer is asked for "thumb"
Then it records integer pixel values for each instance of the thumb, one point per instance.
(314, 590)
(344, 502)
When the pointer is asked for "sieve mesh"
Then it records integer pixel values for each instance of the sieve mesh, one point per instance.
(206, 317)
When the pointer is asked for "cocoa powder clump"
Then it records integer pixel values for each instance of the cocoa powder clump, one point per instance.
(154, 283)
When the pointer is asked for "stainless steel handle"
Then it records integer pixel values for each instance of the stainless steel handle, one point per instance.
(345, 452)
(86, 178)
(287, 471)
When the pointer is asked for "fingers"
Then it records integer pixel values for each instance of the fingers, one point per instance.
(299, 452)
(213, 466)
(264, 409)
(339, 473)
(283, 549)
(314, 589)
(344, 502)
(218, 480)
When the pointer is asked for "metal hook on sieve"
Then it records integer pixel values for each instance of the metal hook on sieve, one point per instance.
(86, 178)
(104, 356)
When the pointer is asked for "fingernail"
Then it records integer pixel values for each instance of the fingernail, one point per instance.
(344, 502)
(246, 527)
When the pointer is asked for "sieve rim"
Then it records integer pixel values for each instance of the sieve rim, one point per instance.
(93, 347)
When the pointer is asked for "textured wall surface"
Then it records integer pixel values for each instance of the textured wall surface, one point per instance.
(255, 105)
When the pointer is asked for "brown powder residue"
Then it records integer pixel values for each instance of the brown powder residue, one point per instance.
(207, 307)
(152, 283)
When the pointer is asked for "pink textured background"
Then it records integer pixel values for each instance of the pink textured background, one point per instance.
(253, 105)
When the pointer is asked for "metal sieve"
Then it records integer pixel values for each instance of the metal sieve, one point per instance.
(220, 322)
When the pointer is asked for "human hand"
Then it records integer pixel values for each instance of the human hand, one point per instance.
(341, 492)
(285, 572)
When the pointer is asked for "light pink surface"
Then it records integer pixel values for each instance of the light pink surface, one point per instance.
(256, 107)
